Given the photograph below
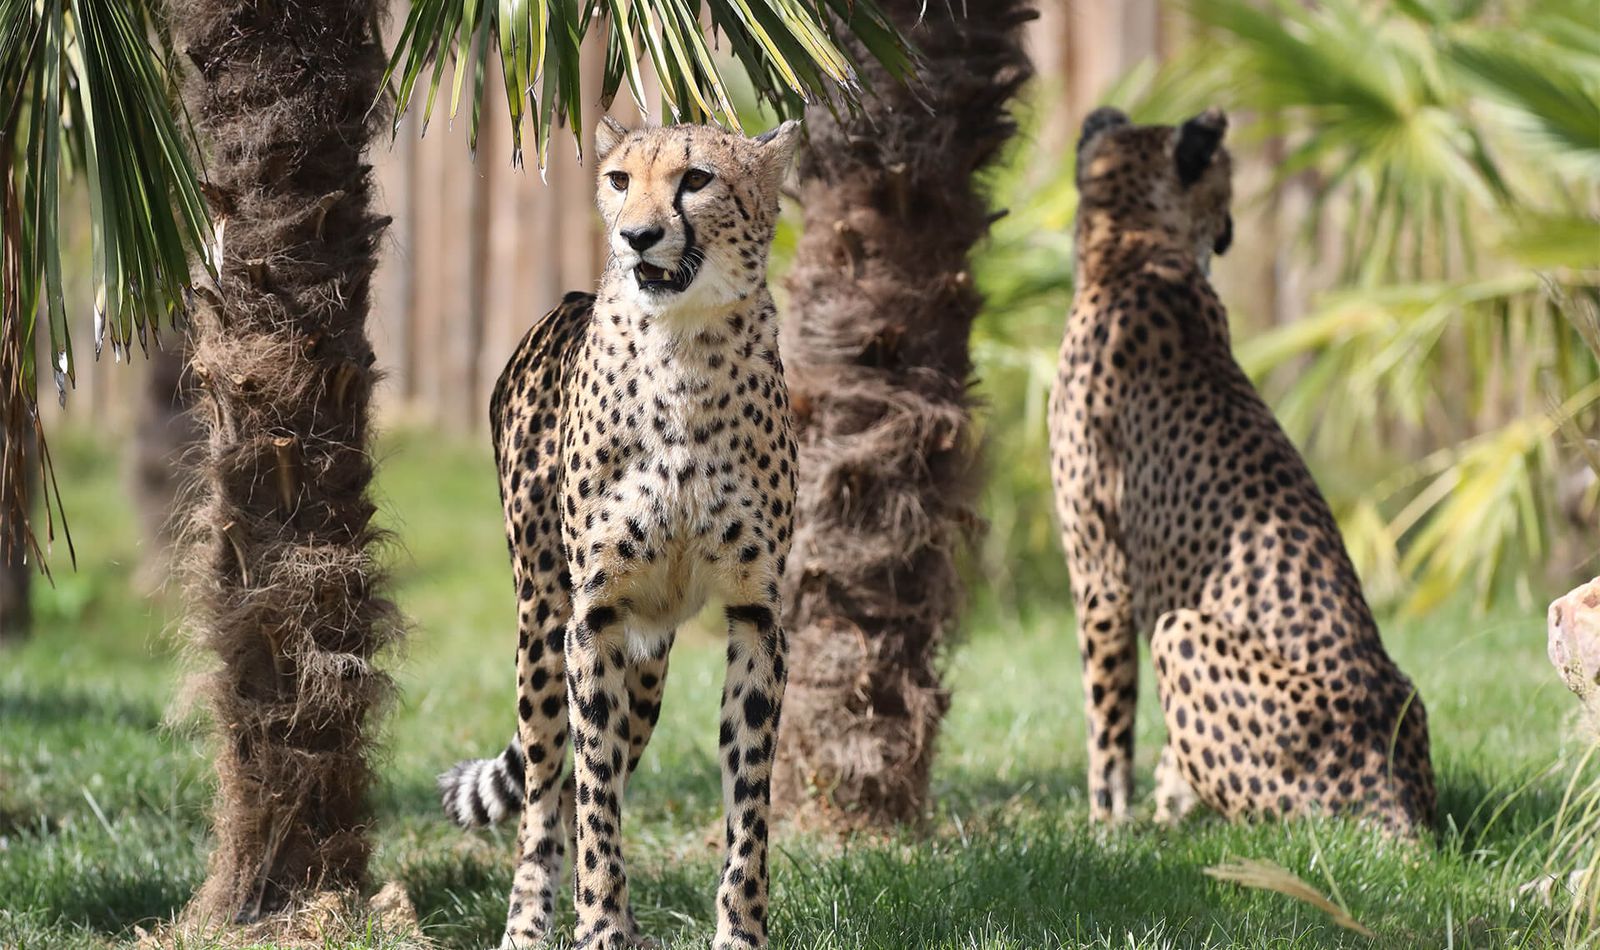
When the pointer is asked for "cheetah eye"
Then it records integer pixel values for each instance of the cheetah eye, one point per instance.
(695, 179)
(619, 180)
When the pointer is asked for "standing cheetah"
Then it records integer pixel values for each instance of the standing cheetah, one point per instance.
(1188, 514)
(646, 464)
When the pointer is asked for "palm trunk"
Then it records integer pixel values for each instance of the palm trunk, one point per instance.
(163, 442)
(881, 305)
(16, 574)
(286, 592)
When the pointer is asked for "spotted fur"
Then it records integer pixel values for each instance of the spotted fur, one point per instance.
(647, 464)
(1188, 514)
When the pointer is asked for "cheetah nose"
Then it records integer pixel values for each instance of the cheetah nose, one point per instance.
(642, 239)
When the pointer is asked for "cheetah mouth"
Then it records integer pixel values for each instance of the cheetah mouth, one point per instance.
(651, 276)
(658, 279)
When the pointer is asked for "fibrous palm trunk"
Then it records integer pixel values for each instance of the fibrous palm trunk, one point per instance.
(164, 443)
(881, 306)
(285, 591)
(16, 574)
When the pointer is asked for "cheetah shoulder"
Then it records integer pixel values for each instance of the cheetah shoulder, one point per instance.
(535, 368)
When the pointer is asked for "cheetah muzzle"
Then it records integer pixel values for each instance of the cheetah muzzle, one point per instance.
(647, 464)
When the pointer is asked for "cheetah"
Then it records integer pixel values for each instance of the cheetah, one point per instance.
(1187, 514)
(647, 464)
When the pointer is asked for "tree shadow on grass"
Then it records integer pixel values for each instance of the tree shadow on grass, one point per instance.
(89, 880)
(1476, 809)
(29, 707)
(1013, 881)
(1501, 816)
(112, 904)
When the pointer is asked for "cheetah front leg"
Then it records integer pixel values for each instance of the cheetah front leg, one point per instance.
(597, 698)
(545, 825)
(1108, 638)
(1109, 647)
(752, 702)
(647, 681)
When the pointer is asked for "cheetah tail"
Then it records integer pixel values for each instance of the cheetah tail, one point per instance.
(478, 792)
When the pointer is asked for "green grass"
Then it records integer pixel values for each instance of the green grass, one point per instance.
(104, 784)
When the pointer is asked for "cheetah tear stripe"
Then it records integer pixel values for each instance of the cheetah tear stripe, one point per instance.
(479, 792)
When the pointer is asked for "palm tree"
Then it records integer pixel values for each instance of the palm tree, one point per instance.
(881, 304)
(286, 589)
(82, 92)
(790, 51)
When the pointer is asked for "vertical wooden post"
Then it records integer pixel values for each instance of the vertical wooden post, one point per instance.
(394, 289)
(508, 309)
(466, 339)
(427, 252)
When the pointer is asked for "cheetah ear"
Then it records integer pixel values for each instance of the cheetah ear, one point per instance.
(1098, 121)
(774, 148)
(1198, 141)
(608, 135)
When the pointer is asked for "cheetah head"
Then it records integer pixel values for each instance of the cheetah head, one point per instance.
(690, 211)
(1158, 177)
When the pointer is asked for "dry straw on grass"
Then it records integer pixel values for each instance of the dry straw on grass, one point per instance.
(325, 919)
(1267, 876)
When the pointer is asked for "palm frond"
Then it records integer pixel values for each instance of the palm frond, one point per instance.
(85, 92)
(1555, 108)
(1464, 365)
(789, 49)
(1554, 241)
(1376, 113)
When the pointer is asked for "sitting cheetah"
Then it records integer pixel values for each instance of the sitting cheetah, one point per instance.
(646, 464)
(1187, 513)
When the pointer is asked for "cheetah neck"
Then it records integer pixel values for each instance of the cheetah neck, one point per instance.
(682, 356)
(748, 324)
(1107, 243)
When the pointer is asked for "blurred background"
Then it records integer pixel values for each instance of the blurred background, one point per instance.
(1415, 270)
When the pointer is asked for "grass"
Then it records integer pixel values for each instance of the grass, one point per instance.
(104, 786)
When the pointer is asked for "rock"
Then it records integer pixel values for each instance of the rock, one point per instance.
(1574, 644)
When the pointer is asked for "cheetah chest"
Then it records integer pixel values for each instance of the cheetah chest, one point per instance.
(674, 505)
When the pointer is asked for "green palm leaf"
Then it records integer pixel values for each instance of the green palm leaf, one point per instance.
(1556, 108)
(788, 48)
(86, 92)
